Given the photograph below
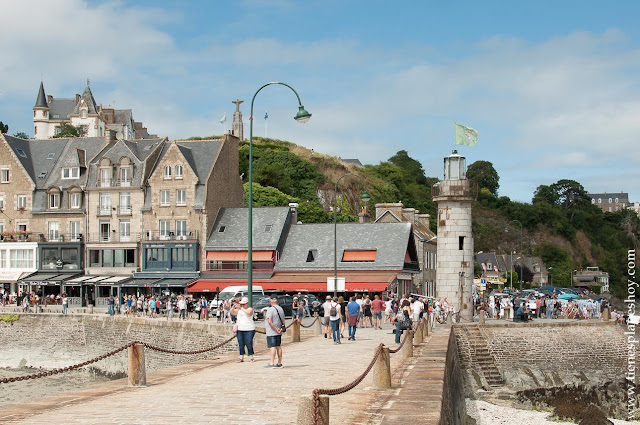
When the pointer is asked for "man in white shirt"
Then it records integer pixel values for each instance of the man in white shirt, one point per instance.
(417, 307)
(387, 310)
(326, 306)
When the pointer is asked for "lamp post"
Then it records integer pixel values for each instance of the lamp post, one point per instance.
(302, 116)
(365, 198)
(521, 252)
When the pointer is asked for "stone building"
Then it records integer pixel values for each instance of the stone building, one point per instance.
(610, 202)
(82, 110)
(425, 239)
(454, 195)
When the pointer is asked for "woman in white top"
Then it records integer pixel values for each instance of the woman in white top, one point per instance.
(246, 327)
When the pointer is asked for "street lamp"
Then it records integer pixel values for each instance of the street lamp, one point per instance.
(365, 198)
(302, 116)
(521, 252)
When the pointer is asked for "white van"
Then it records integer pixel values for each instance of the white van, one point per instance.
(237, 292)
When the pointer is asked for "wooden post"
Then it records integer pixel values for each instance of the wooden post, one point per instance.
(407, 347)
(295, 331)
(306, 408)
(137, 369)
(382, 370)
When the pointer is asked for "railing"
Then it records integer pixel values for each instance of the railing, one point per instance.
(113, 237)
(187, 235)
(238, 266)
(455, 188)
(125, 210)
(60, 237)
(104, 183)
(123, 182)
(19, 237)
(104, 210)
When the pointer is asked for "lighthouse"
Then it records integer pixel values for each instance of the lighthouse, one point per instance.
(454, 195)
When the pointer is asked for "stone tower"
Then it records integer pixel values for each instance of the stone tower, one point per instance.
(454, 194)
(237, 127)
(41, 115)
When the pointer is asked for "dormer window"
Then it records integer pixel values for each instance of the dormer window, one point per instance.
(70, 173)
(599, 200)
(54, 200)
(610, 200)
(167, 172)
(312, 255)
(221, 229)
(616, 200)
(84, 113)
(178, 171)
(268, 227)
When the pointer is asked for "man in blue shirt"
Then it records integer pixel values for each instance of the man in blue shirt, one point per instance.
(353, 313)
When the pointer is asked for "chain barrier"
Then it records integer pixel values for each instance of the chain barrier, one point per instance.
(341, 390)
(109, 354)
(311, 324)
(404, 338)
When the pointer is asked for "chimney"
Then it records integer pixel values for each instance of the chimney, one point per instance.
(395, 208)
(363, 217)
(49, 98)
(293, 209)
(423, 220)
(77, 98)
(110, 135)
(409, 214)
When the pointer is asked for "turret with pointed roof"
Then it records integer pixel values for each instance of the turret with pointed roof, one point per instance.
(41, 102)
(87, 96)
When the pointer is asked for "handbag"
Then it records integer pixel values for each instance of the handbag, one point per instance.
(405, 321)
(235, 328)
(282, 326)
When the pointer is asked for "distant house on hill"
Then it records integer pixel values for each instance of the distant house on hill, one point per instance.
(610, 202)
(354, 161)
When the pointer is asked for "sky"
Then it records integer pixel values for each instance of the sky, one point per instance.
(553, 88)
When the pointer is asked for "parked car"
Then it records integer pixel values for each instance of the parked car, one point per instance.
(284, 301)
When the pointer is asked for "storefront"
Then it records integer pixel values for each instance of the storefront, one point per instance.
(46, 284)
(170, 256)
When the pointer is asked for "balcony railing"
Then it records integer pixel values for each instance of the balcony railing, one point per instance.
(19, 237)
(60, 237)
(234, 266)
(123, 182)
(113, 237)
(104, 183)
(187, 235)
(124, 210)
(455, 189)
(104, 210)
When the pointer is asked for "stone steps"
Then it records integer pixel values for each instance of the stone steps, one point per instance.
(480, 355)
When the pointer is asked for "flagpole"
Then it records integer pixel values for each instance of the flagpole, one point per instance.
(266, 123)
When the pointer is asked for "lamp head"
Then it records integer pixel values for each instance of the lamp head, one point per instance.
(302, 116)
(365, 197)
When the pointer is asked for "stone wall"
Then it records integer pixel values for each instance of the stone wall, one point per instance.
(551, 354)
(51, 340)
(453, 411)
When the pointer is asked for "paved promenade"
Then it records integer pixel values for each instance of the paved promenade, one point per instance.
(223, 391)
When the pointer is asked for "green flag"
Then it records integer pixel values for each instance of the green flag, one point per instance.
(465, 135)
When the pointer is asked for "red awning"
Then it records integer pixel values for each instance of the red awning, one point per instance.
(239, 256)
(317, 282)
(210, 285)
(369, 255)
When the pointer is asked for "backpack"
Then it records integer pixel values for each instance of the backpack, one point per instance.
(334, 310)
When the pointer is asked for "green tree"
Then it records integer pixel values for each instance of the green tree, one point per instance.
(483, 173)
(568, 194)
(4, 128)
(22, 135)
(411, 166)
(68, 130)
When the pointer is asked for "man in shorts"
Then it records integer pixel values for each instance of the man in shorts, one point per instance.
(377, 305)
(325, 319)
(274, 319)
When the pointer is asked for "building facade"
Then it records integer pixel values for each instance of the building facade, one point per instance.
(610, 202)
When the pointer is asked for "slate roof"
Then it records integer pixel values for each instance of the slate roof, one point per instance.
(41, 156)
(489, 257)
(622, 197)
(60, 109)
(200, 155)
(235, 221)
(73, 155)
(87, 96)
(390, 240)
(41, 101)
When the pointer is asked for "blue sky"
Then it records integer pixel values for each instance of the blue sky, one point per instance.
(552, 87)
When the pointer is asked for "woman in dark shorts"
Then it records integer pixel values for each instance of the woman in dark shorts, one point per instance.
(367, 313)
(343, 315)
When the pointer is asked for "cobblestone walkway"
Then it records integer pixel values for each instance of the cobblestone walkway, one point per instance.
(229, 392)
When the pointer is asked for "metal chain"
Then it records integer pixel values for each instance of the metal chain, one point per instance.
(109, 354)
(65, 369)
(395, 350)
(341, 390)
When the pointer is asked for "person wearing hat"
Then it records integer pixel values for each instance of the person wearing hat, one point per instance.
(246, 328)
(274, 320)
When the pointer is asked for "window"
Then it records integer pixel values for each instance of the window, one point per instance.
(22, 227)
(181, 228)
(3, 259)
(610, 200)
(58, 130)
(105, 177)
(359, 256)
(74, 230)
(178, 171)
(4, 175)
(105, 231)
(125, 203)
(181, 197)
(221, 229)
(49, 258)
(599, 200)
(1, 202)
(165, 228)
(125, 176)
(84, 130)
(21, 153)
(616, 200)
(609, 209)
(21, 259)
(70, 173)
(593, 200)
(54, 200)
(460, 243)
(164, 198)
(51, 155)
(105, 203)
(312, 255)
(125, 230)
(84, 113)
(267, 228)
(70, 258)
(167, 172)
(74, 200)
(54, 231)
(107, 258)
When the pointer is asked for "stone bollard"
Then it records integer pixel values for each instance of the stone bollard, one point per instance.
(407, 347)
(305, 410)
(418, 338)
(481, 317)
(317, 327)
(137, 369)
(381, 370)
(295, 331)
(427, 327)
(90, 309)
(605, 314)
